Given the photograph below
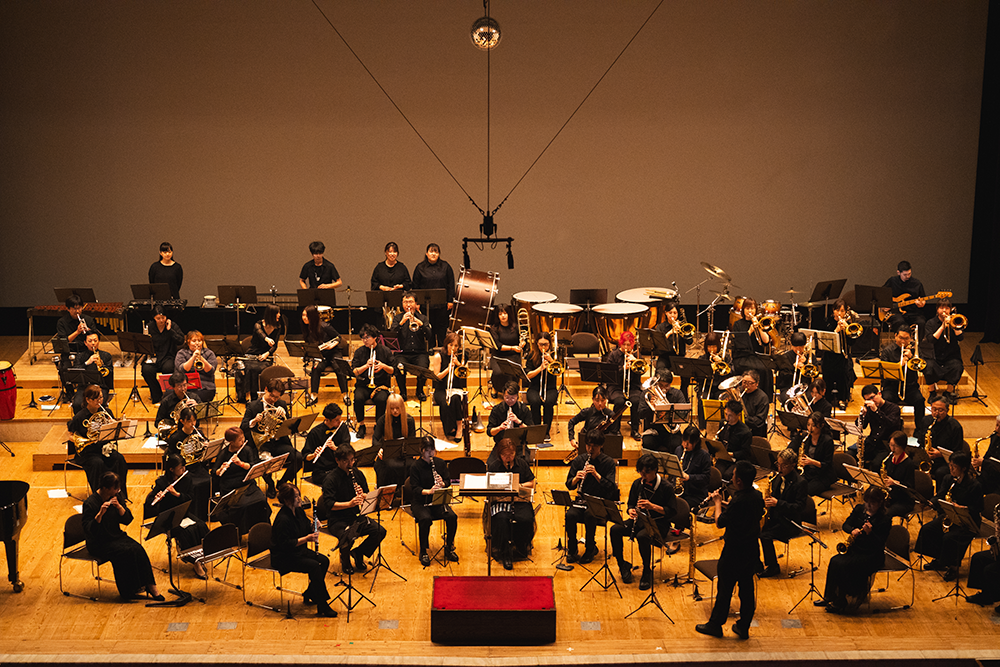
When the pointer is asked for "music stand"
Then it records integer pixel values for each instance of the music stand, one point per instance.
(139, 345)
(379, 299)
(827, 290)
(375, 501)
(651, 340)
(718, 450)
(522, 436)
(296, 426)
(696, 369)
(226, 348)
(812, 532)
(267, 467)
(764, 459)
(151, 292)
(481, 339)
(713, 410)
(430, 297)
(864, 476)
(977, 360)
(793, 421)
(653, 532)
(164, 524)
(596, 371)
(316, 297)
(562, 498)
(237, 296)
(86, 294)
(668, 462)
(77, 377)
(604, 511)
(958, 516)
(871, 298)
(508, 367)
(227, 501)
(488, 485)
(427, 374)
(588, 298)
(874, 369)
(826, 341)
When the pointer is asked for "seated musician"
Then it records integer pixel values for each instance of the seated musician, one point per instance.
(291, 534)
(942, 352)
(319, 272)
(395, 424)
(988, 462)
(797, 356)
(167, 339)
(592, 473)
(713, 352)
(166, 270)
(660, 437)
(884, 419)
(344, 490)
(984, 575)
(901, 349)
(736, 436)
(391, 274)
(171, 489)
(597, 416)
(74, 325)
(818, 402)
(415, 338)
(449, 389)
(435, 273)
(91, 455)
(938, 431)
(903, 284)
(512, 521)
(373, 367)
(508, 413)
(94, 360)
(653, 495)
(198, 480)
(899, 469)
(838, 369)
(260, 423)
(848, 574)
(178, 396)
(104, 514)
(815, 450)
(509, 346)
(622, 357)
(756, 404)
(676, 342)
(267, 333)
(321, 444)
(427, 475)
(695, 463)
(747, 341)
(230, 469)
(543, 387)
(947, 547)
(323, 335)
(195, 357)
(787, 502)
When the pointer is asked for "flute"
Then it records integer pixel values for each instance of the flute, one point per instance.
(164, 492)
(225, 466)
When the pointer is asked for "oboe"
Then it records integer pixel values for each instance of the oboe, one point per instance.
(164, 492)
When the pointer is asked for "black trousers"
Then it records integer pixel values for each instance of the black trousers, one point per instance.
(248, 381)
(617, 399)
(371, 530)
(439, 316)
(847, 578)
(574, 516)
(620, 530)
(362, 393)
(513, 529)
(542, 412)
(316, 375)
(780, 530)
(425, 515)
(949, 370)
(450, 411)
(293, 464)
(946, 546)
(149, 373)
(732, 573)
(984, 574)
(414, 359)
(313, 564)
(95, 464)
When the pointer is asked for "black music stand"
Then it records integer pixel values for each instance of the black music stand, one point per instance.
(871, 298)
(379, 299)
(793, 421)
(227, 501)
(696, 369)
(86, 294)
(164, 524)
(826, 291)
(718, 450)
(776, 363)
(812, 532)
(405, 450)
(562, 498)
(151, 292)
(139, 345)
(599, 372)
(653, 531)
(317, 297)
(479, 339)
(977, 360)
(508, 367)
(957, 516)
(651, 340)
(588, 298)
(668, 462)
(305, 351)
(764, 459)
(238, 297)
(427, 374)
(605, 511)
(226, 348)
(375, 501)
(522, 436)
(296, 426)
(430, 297)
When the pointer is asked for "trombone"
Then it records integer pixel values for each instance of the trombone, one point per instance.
(719, 364)
(955, 321)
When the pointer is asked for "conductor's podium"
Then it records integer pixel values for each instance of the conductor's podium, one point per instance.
(493, 611)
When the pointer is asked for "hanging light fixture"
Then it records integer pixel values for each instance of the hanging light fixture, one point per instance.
(485, 31)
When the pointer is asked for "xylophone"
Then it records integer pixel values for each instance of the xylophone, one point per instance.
(108, 314)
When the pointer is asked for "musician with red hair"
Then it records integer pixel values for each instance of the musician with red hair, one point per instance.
(622, 358)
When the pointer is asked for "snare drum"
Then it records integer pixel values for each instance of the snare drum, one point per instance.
(655, 298)
(614, 319)
(736, 312)
(474, 296)
(527, 300)
(771, 307)
(325, 313)
(553, 316)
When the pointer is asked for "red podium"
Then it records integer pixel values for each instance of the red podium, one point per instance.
(493, 611)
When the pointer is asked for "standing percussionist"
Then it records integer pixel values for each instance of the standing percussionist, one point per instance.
(391, 274)
(167, 339)
(592, 473)
(947, 546)
(941, 350)
(373, 367)
(261, 421)
(677, 342)
(321, 444)
(623, 358)
(323, 335)
(512, 521)
(652, 495)
(543, 386)
(884, 419)
(938, 431)
(445, 364)
(74, 325)
(344, 490)
(415, 337)
(195, 357)
(900, 351)
(427, 475)
(435, 273)
(166, 270)
(319, 273)
(904, 285)
(92, 454)
(267, 333)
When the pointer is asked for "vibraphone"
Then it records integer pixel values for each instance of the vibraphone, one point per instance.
(149, 304)
(108, 314)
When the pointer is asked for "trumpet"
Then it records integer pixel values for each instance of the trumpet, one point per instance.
(199, 363)
(415, 323)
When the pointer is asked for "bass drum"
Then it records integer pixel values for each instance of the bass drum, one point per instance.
(557, 316)
(736, 312)
(474, 295)
(614, 319)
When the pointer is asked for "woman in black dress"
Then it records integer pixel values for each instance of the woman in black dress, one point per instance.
(509, 346)
(291, 534)
(543, 387)
(166, 270)
(175, 487)
(435, 273)
(815, 450)
(450, 406)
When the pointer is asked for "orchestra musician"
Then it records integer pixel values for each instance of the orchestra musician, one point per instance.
(171, 489)
(166, 270)
(323, 335)
(344, 490)
(712, 346)
(737, 438)
(333, 429)
(291, 534)
(815, 450)
(444, 364)
(104, 514)
(91, 361)
(848, 573)
(946, 432)
(818, 402)
(619, 357)
(391, 274)
(435, 273)
(838, 369)
(899, 469)
(230, 468)
(884, 419)
(756, 404)
(92, 458)
(677, 344)
(167, 339)
(74, 325)
(653, 495)
(508, 413)
(946, 546)
(319, 273)
(427, 475)
(740, 558)
(509, 346)
(747, 341)
(264, 441)
(178, 383)
(988, 462)
(373, 367)
(695, 465)
(188, 359)
(787, 502)
(942, 352)
(984, 574)
(592, 417)
(415, 337)
(512, 521)
(198, 480)
(395, 424)
(901, 350)
(267, 333)
(905, 285)
(660, 437)
(543, 387)
(591, 473)
(797, 355)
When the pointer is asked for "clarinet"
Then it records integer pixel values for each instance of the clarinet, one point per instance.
(162, 494)
(642, 496)
(315, 529)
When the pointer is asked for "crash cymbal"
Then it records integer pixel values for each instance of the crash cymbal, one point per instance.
(791, 291)
(722, 295)
(716, 271)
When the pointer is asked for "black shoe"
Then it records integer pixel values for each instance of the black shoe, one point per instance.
(588, 555)
(425, 560)
(508, 564)
(361, 432)
(572, 557)
(770, 571)
(708, 629)
(625, 568)
(646, 582)
(421, 396)
(935, 565)
(272, 491)
(740, 632)
(833, 609)
(820, 603)
(951, 574)
(345, 566)
(359, 562)
(980, 598)
(450, 554)
(637, 436)
(326, 610)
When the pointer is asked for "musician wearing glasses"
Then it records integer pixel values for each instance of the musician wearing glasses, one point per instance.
(736, 436)
(415, 336)
(941, 349)
(815, 450)
(508, 413)
(391, 274)
(319, 272)
(622, 356)
(660, 437)
(543, 387)
(176, 487)
(787, 501)
(597, 416)
(323, 335)
(267, 333)
(677, 341)
(167, 339)
(260, 422)
(798, 357)
(938, 431)
(903, 284)
(748, 340)
(884, 419)
(756, 404)
(166, 270)
(195, 357)
(592, 473)
(509, 346)
(435, 273)
(652, 495)
(445, 364)
(373, 366)
(74, 325)
(427, 475)
(838, 368)
(900, 351)
(179, 393)
(91, 455)
(343, 492)
(946, 546)
(512, 521)
(329, 434)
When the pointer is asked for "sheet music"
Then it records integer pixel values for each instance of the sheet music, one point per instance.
(476, 482)
(499, 480)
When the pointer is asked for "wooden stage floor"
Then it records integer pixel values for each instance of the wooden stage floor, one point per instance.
(42, 626)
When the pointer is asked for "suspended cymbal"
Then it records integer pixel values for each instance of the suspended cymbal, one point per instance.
(791, 291)
(716, 271)
(722, 295)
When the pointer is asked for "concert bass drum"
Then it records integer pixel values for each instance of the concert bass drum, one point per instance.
(474, 295)
(8, 391)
